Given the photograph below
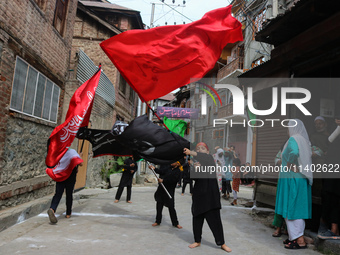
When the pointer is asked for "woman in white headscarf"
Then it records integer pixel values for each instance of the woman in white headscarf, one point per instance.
(294, 193)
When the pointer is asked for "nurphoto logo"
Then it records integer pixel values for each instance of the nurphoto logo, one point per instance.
(239, 105)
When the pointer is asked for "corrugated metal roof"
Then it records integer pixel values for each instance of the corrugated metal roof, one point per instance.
(86, 68)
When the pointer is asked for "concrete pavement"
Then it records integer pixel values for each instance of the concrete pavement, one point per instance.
(100, 226)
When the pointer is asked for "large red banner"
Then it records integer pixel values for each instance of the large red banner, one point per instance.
(159, 60)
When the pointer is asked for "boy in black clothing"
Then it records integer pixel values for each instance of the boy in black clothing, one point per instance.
(168, 175)
(130, 167)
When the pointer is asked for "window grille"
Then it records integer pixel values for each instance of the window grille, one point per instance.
(33, 94)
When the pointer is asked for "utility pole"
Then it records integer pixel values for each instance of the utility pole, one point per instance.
(152, 14)
(171, 6)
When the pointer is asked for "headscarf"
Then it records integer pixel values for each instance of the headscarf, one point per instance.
(320, 118)
(220, 158)
(202, 144)
(300, 135)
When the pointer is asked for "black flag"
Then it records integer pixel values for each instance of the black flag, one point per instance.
(142, 138)
(103, 142)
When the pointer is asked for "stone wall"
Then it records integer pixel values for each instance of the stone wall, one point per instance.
(23, 176)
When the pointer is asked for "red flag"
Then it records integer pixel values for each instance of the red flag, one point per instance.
(157, 61)
(78, 115)
(64, 168)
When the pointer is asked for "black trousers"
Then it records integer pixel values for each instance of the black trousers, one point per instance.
(330, 207)
(226, 187)
(180, 179)
(67, 185)
(185, 184)
(172, 212)
(213, 218)
(120, 191)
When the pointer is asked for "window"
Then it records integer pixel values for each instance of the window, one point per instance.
(60, 15)
(122, 84)
(33, 94)
(218, 134)
(132, 95)
(258, 22)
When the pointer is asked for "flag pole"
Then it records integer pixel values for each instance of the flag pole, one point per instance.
(163, 123)
(166, 191)
(82, 145)
(156, 115)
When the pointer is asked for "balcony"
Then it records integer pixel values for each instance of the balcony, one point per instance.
(237, 63)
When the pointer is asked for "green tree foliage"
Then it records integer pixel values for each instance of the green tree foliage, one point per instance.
(112, 166)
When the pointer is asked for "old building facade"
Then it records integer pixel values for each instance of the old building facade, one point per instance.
(48, 48)
(95, 22)
(35, 44)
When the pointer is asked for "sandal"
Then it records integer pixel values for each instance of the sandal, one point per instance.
(51, 215)
(287, 241)
(276, 234)
(295, 246)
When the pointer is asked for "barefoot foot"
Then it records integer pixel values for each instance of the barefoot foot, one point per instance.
(194, 245)
(129, 202)
(179, 226)
(225, 248)
(116, 201)
(155, 224)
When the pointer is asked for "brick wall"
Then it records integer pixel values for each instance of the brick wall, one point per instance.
(88, 34)
(32, 28)
(27, 31)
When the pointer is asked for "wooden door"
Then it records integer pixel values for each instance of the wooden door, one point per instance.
(82, 170)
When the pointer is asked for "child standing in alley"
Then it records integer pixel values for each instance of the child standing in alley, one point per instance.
(236, 178)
